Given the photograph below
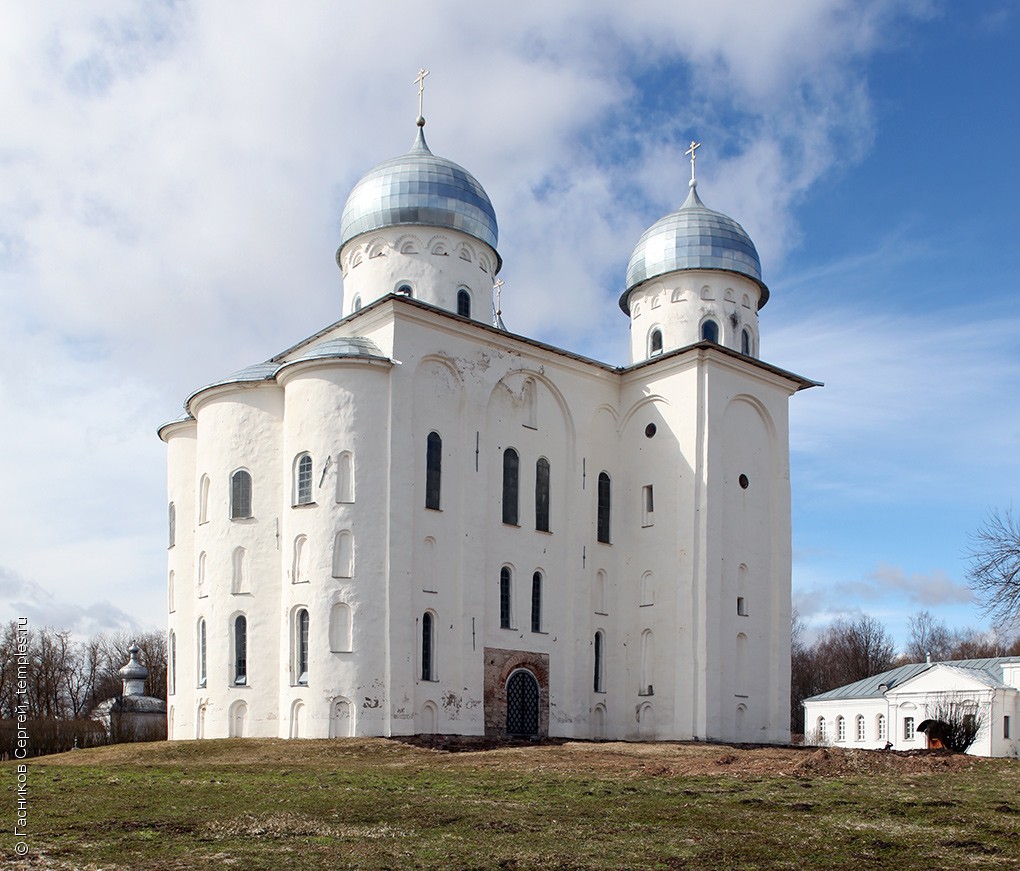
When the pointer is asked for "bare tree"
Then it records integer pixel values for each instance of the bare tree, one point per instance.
(851, 650)
(928, 637)
(957, 721)
(994, 573)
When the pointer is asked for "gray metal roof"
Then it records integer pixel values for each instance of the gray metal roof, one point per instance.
(351, 346)
(987, 671)
(419, 189)
(693, 237)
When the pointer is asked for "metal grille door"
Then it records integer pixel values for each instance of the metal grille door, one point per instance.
(522, 704)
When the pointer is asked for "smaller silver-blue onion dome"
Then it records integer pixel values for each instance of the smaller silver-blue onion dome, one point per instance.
(419, 189)
(693, 237)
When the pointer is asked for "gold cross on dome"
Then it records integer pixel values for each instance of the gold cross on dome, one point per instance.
(694, 147)
(420, 81)
(498, 287)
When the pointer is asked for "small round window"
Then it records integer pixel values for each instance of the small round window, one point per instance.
(649, 430)
(742, 480)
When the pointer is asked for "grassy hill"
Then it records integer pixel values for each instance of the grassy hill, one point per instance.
(376, 803)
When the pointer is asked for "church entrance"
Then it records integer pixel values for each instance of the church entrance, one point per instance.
(516, 693)
(522, 704)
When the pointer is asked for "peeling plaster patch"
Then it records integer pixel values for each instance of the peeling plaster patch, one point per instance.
(371, 703)
(452, 702)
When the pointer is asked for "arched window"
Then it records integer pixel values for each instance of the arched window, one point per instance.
(600, 643)
(536, 602)
(171, 679)
(203, 499)
(655, 343)
(345, 477)
(821, 730)
(880, 727)
(542, 495)
(840, 729)
(301, 622)
(238, 719)
(428, 646)
(599, 605)
(303, 480)
(511, 473)
(240, 650)
(171, 604)
(201, 653)
(602, 520)
(463, 303)
(356, 307)
(340, 628)
(239, 581)
(710, 331)
(647, 687)
(860, 728)
(406, 290)
(299, 573)
(433, 469)
(343, 554)
(172, 524)
(505, 598)
(745, 341)
(201, 575)
(647, 589)
(240, 495)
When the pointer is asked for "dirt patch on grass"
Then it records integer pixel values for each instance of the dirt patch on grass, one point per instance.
(660, 759)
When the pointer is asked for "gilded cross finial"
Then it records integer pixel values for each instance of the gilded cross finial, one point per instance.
(498, 287)
(420, 81)
(691, 151)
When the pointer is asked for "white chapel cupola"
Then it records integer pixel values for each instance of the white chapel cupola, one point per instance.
(694, 276)
(420, 225)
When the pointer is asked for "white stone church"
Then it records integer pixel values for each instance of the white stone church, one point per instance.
(415, 521)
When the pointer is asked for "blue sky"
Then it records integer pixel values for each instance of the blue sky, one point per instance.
(171, 178)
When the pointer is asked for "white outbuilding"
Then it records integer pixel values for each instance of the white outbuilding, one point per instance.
(907, 707)
(415, 521)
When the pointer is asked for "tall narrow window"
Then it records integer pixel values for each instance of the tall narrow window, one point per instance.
(655, 343)
(859, 728)
(343, 554)
(880, 727)
(463, 303)
(647, 687)
(542, 495)
(505, 598)
(345, 477)
(647, 506)
(536, 602)
(172, 657)
(710, 331)
(299, 572)
(433, 469)
(203, 499)
(172, 524)
(840, 729)
(240, 650)
(908, 728)
(511, 473)
(745, 341)
(239, 582)
(201, 574)
(240, 495)
(428, 631)
(301, 647)
(171, 603)
(303, 480)
(1005, 727)
(602, 520)
(599, 655)
(201, 653)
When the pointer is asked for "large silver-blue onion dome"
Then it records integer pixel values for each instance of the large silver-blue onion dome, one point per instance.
(419, 189)
(693, 237)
